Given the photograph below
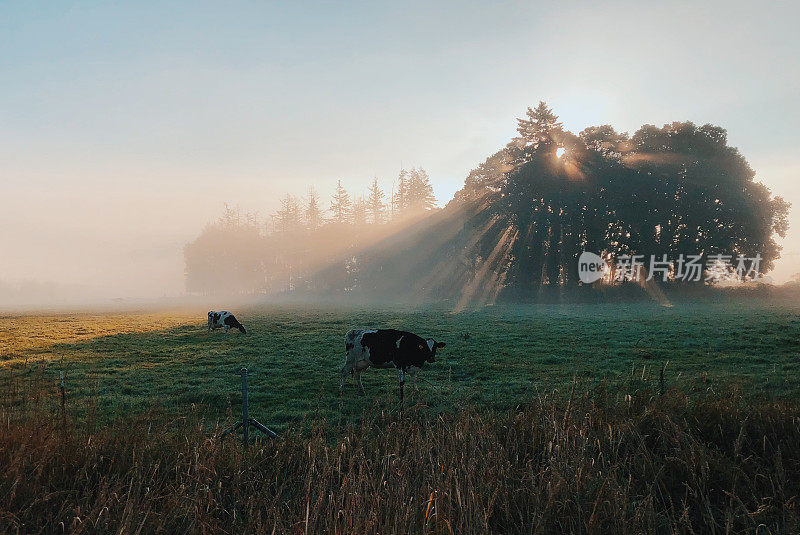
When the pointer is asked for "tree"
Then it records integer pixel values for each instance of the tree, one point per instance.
(521, 221)
(376, 208)
(359, 212)
(541, 126)
(287, 218)
(701, 195)
(419, 195)
(491, 174)
(341, 205)
(312, 213)
(400, 197)
(668, 191)
(227, 256)
(414, 192)
(605, 140)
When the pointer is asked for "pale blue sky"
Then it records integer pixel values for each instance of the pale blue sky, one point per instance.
(124, 127)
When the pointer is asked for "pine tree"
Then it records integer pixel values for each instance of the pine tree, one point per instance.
(359, 211)
(341, 205)
(376, 208)
(312, 213)
(400, 197)
(540, 127)
(287, 218)
(419, 196)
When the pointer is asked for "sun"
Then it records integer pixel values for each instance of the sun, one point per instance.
(560, 152)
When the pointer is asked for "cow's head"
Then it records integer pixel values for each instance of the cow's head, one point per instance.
(432, 346)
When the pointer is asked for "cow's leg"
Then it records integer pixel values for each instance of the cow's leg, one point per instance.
(360, 366)
(358, 380)
(226, 328)
(349, 358)
(348, 367)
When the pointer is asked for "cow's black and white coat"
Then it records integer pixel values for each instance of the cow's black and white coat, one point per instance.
(387, 348)
(224, 319)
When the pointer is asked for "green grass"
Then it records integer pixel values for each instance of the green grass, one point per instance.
(495, 358)
(503, 443)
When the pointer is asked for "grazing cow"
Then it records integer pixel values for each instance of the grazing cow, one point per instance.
(387, 348)
(224, 319)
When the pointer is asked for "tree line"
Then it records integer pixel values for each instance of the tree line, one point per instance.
(414, 195)
(238, 253)
(516, 229)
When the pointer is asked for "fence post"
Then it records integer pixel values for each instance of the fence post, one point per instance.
(246, 420)
(245, 409)
(402, 384)
(63, 390)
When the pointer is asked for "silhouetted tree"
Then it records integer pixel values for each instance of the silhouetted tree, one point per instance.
(673, 190)
(679, 189)
(541, 126)
(605, 140)
(491, 174)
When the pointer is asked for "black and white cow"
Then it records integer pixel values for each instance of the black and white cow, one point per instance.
(225, 320)
(387, 348)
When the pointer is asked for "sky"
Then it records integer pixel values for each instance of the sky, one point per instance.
(126, 127)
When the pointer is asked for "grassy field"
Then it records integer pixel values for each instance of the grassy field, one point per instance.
(495, 358)
(537, 420)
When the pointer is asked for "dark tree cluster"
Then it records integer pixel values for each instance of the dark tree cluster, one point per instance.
(516, 229)
(678, 189)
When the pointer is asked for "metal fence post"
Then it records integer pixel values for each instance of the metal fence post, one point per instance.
(63, 390)
(245, 409)
(246, 420)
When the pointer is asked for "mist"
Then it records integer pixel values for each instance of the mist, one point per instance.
(125, 130)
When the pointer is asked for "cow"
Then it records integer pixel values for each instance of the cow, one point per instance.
(387, 348)
(223, 319)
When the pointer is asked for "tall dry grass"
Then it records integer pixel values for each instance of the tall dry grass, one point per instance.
(592, 464)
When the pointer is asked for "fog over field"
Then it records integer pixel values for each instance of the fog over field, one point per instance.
(125, 129)
(411, 267)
